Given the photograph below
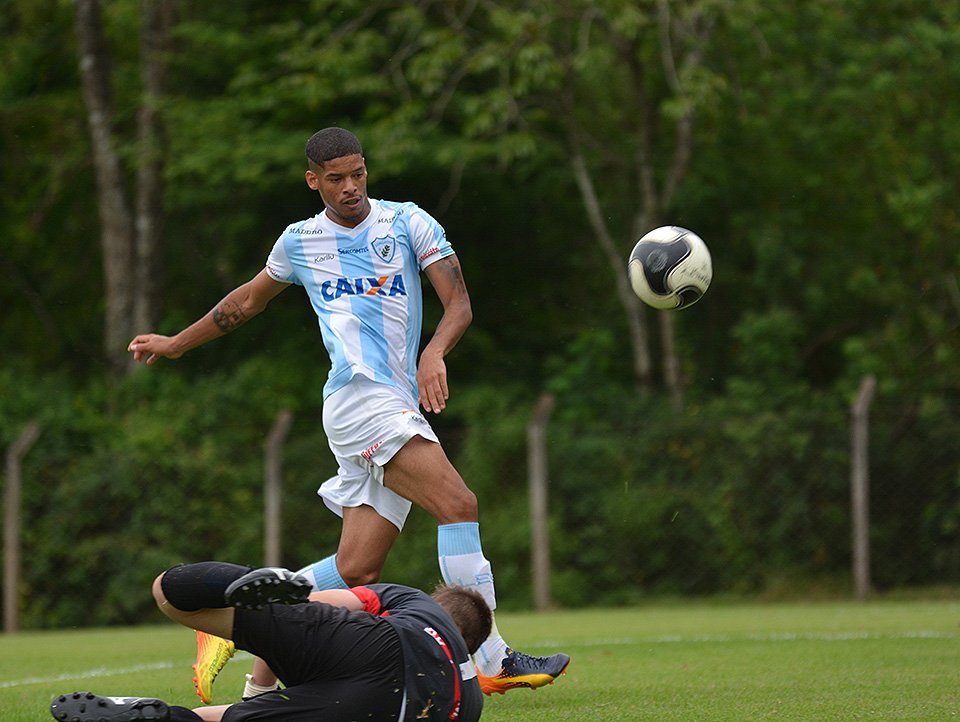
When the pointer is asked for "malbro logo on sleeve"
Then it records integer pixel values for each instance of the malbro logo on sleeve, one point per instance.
(363, 286)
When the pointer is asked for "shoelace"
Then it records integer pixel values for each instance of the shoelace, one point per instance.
(520, 659)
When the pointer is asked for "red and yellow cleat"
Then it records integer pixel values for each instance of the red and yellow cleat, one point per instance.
(212, 654)
(523, 670)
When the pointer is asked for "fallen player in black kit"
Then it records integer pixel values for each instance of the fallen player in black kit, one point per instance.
(377, 652)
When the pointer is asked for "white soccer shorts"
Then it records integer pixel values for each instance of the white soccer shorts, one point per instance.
(366, 423)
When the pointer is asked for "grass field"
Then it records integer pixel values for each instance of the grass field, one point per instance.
(883, 660)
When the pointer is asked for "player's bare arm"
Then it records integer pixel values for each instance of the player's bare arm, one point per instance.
(446, 277)
(235, 309)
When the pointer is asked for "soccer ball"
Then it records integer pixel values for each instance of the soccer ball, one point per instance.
(670, 268)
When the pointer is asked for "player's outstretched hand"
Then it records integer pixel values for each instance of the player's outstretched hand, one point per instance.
(151, 346)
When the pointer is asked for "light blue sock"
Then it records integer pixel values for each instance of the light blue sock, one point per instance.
(461, 559)
(462, 564)
(324, 575)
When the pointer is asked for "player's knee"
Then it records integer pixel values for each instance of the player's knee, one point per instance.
(356, 574)
(158, 596)
(460, 507)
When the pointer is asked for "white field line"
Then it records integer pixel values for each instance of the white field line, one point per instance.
(769, 637)
(88, 674)
(98, 672)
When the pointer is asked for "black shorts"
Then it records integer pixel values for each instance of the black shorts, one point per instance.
(334, 664)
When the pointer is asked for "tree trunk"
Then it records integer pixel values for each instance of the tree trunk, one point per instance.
(273, 488)
(636, 323)
(681, 39)
(538, 482)
(860, 486)
(655, 198)
(12, 524)
(156, 22)
(671, 361)
(116, 233)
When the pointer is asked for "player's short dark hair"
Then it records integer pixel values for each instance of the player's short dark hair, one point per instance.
(331, 143)
(469, 610)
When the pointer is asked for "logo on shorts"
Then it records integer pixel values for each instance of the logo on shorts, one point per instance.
(367, 453)
(417, 417)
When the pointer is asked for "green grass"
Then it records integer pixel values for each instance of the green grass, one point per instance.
(884, 660)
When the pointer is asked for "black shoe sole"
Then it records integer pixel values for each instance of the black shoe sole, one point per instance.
(257, 592)
(90, 707)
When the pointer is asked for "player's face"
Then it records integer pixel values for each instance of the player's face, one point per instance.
(342, 184)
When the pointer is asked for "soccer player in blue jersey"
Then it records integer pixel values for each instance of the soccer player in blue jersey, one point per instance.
(359, 261)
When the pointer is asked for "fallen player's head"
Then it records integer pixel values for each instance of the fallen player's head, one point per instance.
(469, 610)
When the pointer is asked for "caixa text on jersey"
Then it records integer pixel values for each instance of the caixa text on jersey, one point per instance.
(363, 286)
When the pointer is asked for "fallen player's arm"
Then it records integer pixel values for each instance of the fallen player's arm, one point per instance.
(338, 598)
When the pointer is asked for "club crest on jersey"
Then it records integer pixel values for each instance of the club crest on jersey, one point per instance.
(363, 286)
(384, 247)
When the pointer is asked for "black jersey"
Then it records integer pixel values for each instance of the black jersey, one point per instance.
(439, 676)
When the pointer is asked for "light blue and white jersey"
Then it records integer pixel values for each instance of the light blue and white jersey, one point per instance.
(364, 285)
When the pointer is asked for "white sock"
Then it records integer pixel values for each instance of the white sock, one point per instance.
(251, 689)
(462, 564)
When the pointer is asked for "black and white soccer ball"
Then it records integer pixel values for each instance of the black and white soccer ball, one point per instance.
(670, 267)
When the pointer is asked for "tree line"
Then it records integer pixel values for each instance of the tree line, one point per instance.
(153, 151)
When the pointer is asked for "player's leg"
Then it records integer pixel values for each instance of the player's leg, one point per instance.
(365, 541)
(210, 714)
(324, 574)
(262, 679)
(329, 700)
(360, 421)
(203, 595)
(421, 472)
(193, 595)
(319, 650)
(333, 670)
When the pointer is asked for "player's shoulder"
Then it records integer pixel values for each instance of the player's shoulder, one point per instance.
(395, 596)
(307, 226)
(401, 207)
(397, 589)
(401, 212)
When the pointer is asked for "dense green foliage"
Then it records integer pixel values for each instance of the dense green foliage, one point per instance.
(823, 177)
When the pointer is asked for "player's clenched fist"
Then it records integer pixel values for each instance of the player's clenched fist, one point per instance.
(151, 346)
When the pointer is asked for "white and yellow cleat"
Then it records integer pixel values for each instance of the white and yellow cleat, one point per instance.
(212, 654)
